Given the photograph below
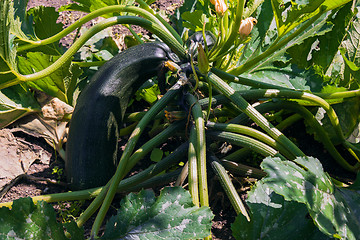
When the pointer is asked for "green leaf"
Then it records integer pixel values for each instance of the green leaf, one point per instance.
(92, 5)
(187, 8)
(274, 218)
(54, 83)
(265, 42)
(7, 50)
(156, 154)
(46, 25)
(15, 103)
(149, 92)
(333, 209)
(321, 50)
(289, 76)
(28, 221)
(289, 14)
(170, 216)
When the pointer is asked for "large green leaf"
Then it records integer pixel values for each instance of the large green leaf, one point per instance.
(170, 216)
(16, 102)
(45, 25)
(274, 218)
(289, 76)
(28, 221)
(268, 48)
(7, 51)
(289, 14)
(54, 84)
(321, 50)
(333, 209)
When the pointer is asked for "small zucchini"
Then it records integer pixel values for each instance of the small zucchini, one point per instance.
(92, 146)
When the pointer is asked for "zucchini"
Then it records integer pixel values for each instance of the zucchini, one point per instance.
(92, 146)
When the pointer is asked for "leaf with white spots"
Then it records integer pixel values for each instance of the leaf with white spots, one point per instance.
(272, 217)
(172, 215)
(333, 209)
(29, 221)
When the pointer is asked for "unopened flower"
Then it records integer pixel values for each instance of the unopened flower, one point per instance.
(220, 6)
(246, 26)
(203, 62)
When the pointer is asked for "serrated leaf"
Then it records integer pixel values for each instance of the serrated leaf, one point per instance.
(170, 216)
(289, 76)
(28, 221)
(289, 14)
(7, 50)
(262, 43)
(321, 50)
(54, 83)
(274, 218)
(332, 208)
(45, 26)
(16, 102)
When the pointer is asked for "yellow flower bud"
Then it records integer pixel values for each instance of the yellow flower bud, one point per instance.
(246, 26)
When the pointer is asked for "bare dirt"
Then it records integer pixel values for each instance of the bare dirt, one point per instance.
(46, 177)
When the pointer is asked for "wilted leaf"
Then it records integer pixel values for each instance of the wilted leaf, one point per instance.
(28, 221)
(274, 218)
(17, 156)
(170, 216)
(333, 209)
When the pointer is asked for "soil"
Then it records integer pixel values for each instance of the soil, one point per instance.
(46, 178)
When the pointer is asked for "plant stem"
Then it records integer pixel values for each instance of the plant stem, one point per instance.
(254, 114)
(152, 143)
(244, 141)
(145, 6)
(234, 29)
(292, 94)
(243, 80)
(236, 128)
(241, 169)
(193, 177)
(228, 186)
(122, 166)
(200, 147)
(176, 47)
(99, 12)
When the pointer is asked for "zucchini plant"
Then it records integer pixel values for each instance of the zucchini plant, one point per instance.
(241, 74)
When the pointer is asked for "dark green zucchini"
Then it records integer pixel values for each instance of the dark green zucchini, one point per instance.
(91, 149)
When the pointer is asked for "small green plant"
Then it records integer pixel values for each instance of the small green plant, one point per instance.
(58, 172)
(220, 69)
